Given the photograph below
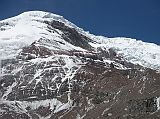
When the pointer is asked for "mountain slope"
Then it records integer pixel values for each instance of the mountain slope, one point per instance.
(52, 69)
(38, 25)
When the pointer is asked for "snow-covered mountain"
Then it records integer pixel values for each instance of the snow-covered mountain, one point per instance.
(28, 27)
(52, 69)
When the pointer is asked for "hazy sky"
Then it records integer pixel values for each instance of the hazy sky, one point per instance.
(138, 19)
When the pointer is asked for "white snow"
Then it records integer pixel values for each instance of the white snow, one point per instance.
(20, 106)
(9, 90)
(28, 27)
(68, 65)
(116, 65)
(24, 29)
(158, 103)
(62, 107)
(134, 51)
(0, 68)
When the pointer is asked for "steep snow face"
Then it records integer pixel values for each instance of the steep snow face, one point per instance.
(134, 51)
(28, 27)
(24, 29)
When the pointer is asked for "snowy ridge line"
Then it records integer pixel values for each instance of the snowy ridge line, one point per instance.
(132, 50)
(12, 33)
(42, 15)
(14, 37)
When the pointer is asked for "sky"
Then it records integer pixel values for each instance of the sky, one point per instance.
(139, 19)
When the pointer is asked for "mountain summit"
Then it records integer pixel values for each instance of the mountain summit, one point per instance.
(52, 69)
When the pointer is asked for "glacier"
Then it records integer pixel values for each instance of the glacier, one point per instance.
(28, 27)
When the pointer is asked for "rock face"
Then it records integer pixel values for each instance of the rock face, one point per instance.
(71, 75)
